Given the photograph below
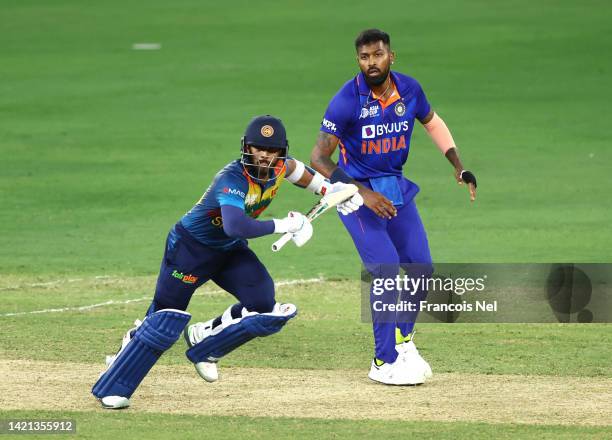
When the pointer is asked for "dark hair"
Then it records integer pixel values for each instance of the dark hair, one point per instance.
(372, 36)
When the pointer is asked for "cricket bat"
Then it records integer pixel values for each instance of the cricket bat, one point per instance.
(326, 202)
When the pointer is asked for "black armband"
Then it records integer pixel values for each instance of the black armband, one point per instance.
(468, 177)
(340, 176)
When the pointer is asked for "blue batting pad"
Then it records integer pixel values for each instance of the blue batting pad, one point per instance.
(157, 333)
(214, 347)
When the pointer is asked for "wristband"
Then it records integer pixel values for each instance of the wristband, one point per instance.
(340, 176)
(316, 184)
(297, 173)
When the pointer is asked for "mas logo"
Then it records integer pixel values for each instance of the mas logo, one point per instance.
(187, 279)
(233, 191)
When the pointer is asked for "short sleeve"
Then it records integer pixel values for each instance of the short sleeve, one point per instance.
(231, 189)
(338, 114)
(422, 105)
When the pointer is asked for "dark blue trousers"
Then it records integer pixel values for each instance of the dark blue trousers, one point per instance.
(385, 245)
(187, 264)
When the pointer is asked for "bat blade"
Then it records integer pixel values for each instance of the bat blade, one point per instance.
(326, 202)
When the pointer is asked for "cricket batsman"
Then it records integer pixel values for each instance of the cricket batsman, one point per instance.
(371, 119)
(210, 243)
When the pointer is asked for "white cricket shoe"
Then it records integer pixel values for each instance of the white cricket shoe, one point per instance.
(114, 402)
(110, 359)
(194, 334)
(397, 373)
(408, 353)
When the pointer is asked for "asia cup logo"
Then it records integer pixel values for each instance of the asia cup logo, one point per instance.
(267, 131)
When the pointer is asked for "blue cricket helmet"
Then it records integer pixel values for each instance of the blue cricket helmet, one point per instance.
(264, 132)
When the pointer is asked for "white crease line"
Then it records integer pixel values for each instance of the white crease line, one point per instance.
(146, 46)
(54, 283)
(149, 298)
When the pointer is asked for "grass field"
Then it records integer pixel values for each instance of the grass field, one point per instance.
(103, 148)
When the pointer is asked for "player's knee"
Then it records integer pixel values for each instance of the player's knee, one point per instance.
(261, 304)
(261, 298)
(382, 270)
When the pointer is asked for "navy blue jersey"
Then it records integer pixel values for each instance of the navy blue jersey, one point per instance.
(374, 135)
(231, 186)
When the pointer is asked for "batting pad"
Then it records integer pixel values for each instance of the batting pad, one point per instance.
(240, 331)
(157, 333)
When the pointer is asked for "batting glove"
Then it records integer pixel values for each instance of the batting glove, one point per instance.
(304, 234)
(349, 206)
(292, 223)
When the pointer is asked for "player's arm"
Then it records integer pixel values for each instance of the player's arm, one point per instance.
(236, 224)
(442, 137)
(309, 179)
(230, 193)
(320, 160)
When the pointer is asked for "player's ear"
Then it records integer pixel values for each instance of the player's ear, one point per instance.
(392, 57)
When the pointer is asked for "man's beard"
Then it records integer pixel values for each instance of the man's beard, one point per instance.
(376, 80)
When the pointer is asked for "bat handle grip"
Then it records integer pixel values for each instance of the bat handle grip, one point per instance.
(278, 244)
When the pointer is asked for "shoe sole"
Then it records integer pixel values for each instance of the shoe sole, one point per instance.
(112, 406)
(396, 384)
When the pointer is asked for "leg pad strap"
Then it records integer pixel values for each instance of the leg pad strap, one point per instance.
(232, 334)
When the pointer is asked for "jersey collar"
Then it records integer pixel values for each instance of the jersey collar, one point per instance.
(365, 90)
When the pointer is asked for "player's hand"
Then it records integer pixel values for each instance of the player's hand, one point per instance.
(348, 206)
(378, 203)
(294, 222)
(302, 235)
(465, 176)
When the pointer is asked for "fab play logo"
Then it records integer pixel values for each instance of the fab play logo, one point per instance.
(187, 279)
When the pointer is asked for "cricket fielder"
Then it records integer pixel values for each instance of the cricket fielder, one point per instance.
(371, 119)
(209, 243)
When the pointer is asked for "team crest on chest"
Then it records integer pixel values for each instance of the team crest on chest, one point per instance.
(400, 108)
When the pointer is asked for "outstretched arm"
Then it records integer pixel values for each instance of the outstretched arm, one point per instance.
(237, 224)
(441, 136)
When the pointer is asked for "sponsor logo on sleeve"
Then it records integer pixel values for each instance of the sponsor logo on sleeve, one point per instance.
(233, 191)
(329, 125)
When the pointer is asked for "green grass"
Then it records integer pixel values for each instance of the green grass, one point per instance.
(164, 426)
(328, 334)
(103, 148)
